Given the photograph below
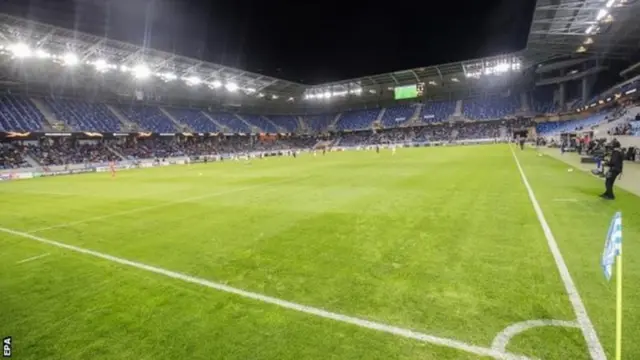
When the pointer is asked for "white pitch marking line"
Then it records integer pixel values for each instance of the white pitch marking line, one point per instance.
(406, 333)
(588, 331)
(32, 258)
(502, 339)
(153, 207)
(565, 200)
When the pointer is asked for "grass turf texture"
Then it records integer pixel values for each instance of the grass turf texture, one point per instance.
(441, 240)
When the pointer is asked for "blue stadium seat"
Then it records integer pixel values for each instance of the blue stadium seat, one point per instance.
(261, 123)
(436, 111)
(397, 115)
(84, 116)
(542, 101)
(319, 123)
(491, 108)
(231, 121)
(150, 118)
(195, 119)
(19, 114)
(558, 127)
(287, 122)
(357, 119)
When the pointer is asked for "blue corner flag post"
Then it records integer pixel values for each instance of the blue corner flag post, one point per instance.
(613, 255)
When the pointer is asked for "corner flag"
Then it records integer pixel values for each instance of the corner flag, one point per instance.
(612, 252)
(612, 246)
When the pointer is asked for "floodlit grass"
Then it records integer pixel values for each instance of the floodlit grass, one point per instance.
(442, 241)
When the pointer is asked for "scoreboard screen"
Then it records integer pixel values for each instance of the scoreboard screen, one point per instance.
(406, 92)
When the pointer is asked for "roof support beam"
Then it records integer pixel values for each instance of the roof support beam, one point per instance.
(133, 56)
(92, 50)
(164, 62)
(415, 75)
(393, 78)
(267, 85)
(439, 73)
(194, 67)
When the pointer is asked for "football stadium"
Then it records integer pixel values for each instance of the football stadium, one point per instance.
(156, 206)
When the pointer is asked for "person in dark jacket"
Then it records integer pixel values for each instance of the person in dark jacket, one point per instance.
(615, 165)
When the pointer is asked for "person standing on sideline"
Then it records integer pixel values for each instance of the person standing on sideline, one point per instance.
(615, 164)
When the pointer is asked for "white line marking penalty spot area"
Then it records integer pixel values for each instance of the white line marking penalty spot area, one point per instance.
(318, 312)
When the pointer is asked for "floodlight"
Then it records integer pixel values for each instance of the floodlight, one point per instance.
(504, 67)
(193, 80)
(42, 54)
(70, 59)
(327, 94)
(168, 76)
(455, 79)
(274, 97)
(20, 50)
(251, 90)
(101, 65)
(231, 86)
(601, 14)
(610, 3)
(260, 95)
(290, 99)
(216, 84)
(589, 30)
(141, 71)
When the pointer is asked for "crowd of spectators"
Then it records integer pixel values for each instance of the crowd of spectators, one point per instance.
(11, 157)
(622, 129)
(63, 151)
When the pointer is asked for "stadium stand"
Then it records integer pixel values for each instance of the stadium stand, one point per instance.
(149, 118)
(231, 121)
(436, 111)
(491, 108)
(19, 114)
(543, 102)
(357, 119)
(195, 119)
(265, 125)
(319, 123)
(558, 127)
(12, 157)
(287, 122)
(84, 116)
(62, 151)
(398, 115)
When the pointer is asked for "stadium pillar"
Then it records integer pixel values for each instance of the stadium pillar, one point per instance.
(562, 94)
(585, 90)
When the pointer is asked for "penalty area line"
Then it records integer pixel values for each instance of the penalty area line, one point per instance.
(588, 331)
(389, 329)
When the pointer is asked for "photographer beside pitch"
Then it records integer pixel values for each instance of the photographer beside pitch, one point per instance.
(614, 164)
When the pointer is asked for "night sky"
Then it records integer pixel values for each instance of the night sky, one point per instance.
(304, 41)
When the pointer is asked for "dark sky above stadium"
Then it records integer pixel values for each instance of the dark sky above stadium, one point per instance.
(305, 41)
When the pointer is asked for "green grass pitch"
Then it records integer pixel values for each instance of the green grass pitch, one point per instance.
(441, 241)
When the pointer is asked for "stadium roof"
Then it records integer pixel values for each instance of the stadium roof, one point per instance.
(605, 28)
(560, 29)
(90, 47)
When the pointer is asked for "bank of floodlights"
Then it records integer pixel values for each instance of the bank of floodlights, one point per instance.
(328, 94)
(493, 67)
(139, 71)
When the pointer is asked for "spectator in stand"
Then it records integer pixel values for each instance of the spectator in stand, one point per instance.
(11, 157)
